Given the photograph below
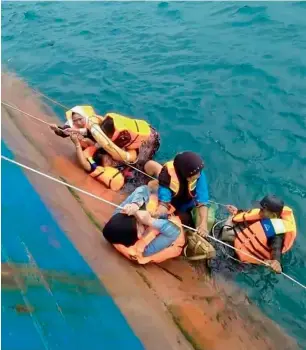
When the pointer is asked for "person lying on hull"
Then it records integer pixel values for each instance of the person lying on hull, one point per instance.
(138, 235)
(99, 165)
(265, 233)
(96, 162)
(120, 139)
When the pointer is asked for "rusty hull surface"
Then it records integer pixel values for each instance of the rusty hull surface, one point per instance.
(169, 306)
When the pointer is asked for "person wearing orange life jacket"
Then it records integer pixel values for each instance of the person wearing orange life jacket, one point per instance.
(91, 160)
(183, 185)
(138, 236)
(265, 233)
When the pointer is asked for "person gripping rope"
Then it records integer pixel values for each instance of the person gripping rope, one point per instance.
(78, 122)
(120, 140)
(266, 232)
(183, 185)
(93, 161)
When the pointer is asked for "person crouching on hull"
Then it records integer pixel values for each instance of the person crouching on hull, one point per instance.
(182, 187)
(140, 237)
(265, 233)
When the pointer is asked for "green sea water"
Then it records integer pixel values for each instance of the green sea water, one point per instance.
(225, 79)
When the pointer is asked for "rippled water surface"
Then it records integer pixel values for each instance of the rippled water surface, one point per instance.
(225, 79)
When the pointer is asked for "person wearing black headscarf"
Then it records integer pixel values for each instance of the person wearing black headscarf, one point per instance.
(183, 185)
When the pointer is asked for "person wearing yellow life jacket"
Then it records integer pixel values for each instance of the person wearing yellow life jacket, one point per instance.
(138, 236)
(78, 122)
(265, 233)
(183, 185)
(124, 139)
(91, 160)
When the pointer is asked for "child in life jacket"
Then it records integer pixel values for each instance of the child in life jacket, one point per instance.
(138, 236)
(265, 233)
(98, 164)
(94, 161)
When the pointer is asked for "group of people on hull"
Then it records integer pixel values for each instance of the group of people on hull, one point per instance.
(149, 227)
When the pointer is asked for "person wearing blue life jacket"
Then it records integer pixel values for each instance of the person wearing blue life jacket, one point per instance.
(183, 186)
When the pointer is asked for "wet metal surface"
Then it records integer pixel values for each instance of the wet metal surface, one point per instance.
(51, 299)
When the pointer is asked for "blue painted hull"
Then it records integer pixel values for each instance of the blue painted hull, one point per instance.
(51, 298)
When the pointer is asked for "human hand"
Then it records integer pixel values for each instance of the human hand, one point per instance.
(143, 217)
(69, 131)
(130, 209)
(202, 230)
(74, 138)
(53, 127)
(275, 265)
(232, 209)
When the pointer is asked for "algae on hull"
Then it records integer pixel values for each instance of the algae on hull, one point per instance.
(86, 211)
(188, 337)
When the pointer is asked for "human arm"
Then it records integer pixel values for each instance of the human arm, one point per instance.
(274, 231)
(59, 130)
(79, 152)
(202, 225)
(232, 209)
(202, 199)
(116, 152)
(68, 131)
(276, 245)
